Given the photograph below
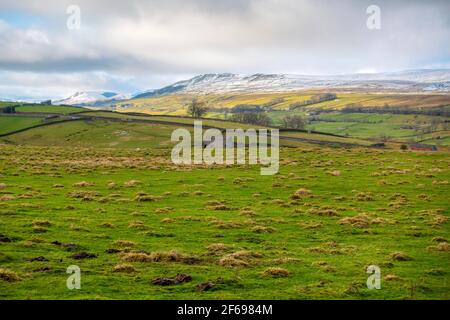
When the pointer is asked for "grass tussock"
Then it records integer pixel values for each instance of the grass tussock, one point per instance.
(124, 268)
(276, 272)
(41, 223)
(132, 183)
(83, 195)
(144, 197)
(323, 211)
(442, 246)
(246, 211)
(240, 258)
(364, 196)
(83, 184)
(124, 243)
(301, 194)
(158, 256)
(8, 275)
(359, 221)
(400, 256)
(217, 247)
(137, 225)
(391, 277)
(262, 229)
(311, 224)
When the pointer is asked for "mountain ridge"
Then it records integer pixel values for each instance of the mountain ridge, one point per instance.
(422, 80)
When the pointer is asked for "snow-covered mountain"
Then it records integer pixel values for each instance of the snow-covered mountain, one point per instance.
(425, 80)
(85, 98)
(411, 80)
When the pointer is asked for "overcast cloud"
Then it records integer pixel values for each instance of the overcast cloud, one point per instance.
(133, 45)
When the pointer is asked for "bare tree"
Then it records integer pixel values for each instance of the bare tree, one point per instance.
(256, 118)
(293, 122)
(196, 108)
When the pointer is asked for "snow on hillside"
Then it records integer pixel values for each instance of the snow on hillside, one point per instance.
(412, 80)
(426, 80)
(91, 98)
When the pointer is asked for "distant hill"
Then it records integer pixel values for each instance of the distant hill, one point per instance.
(411, 80)
(424, 80)
(85, 98)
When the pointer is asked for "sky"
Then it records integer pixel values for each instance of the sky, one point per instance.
(136, 45)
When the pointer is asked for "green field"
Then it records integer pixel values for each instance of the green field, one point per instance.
(327, 117)
(373, 125)
(106, 197)
(11, 123)
(175, 104)
(49, 109)
(96, 134)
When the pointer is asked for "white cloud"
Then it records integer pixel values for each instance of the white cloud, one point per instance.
(156, 42)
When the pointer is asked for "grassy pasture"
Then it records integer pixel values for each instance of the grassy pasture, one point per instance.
(175, 104)
(11, 123)
(49, 109)
(102, 134)
(230, 226)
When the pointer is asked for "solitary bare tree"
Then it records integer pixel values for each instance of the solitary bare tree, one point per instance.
(196, 108)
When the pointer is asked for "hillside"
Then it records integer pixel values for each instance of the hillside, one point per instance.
(412, 80)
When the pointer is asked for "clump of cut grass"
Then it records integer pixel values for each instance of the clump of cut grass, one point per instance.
(124, 267)
(82, 184)
(442, 246)
(83, 195)
(263, 229)
(363, 196)
(219, 207)
(137, 257)
(112, 185)
(424, 197)
(163, 210)
(217, 247)
(400, 256)
(359, 221)
(335, 173)
(246, 254)
(439, 239)
(37, 229)
(7, 198)
(438, 219)
(3, 186)
(41, 223)
(246, 211)
(229, 261)
(8, 275)
(323, 211)
(124, 243)
(311, 224)
(240, 258)
(132, 183)
(137, 225)
(276, 272)
(391, 277)
(301, 193)
(144, 197)
(107, 225)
